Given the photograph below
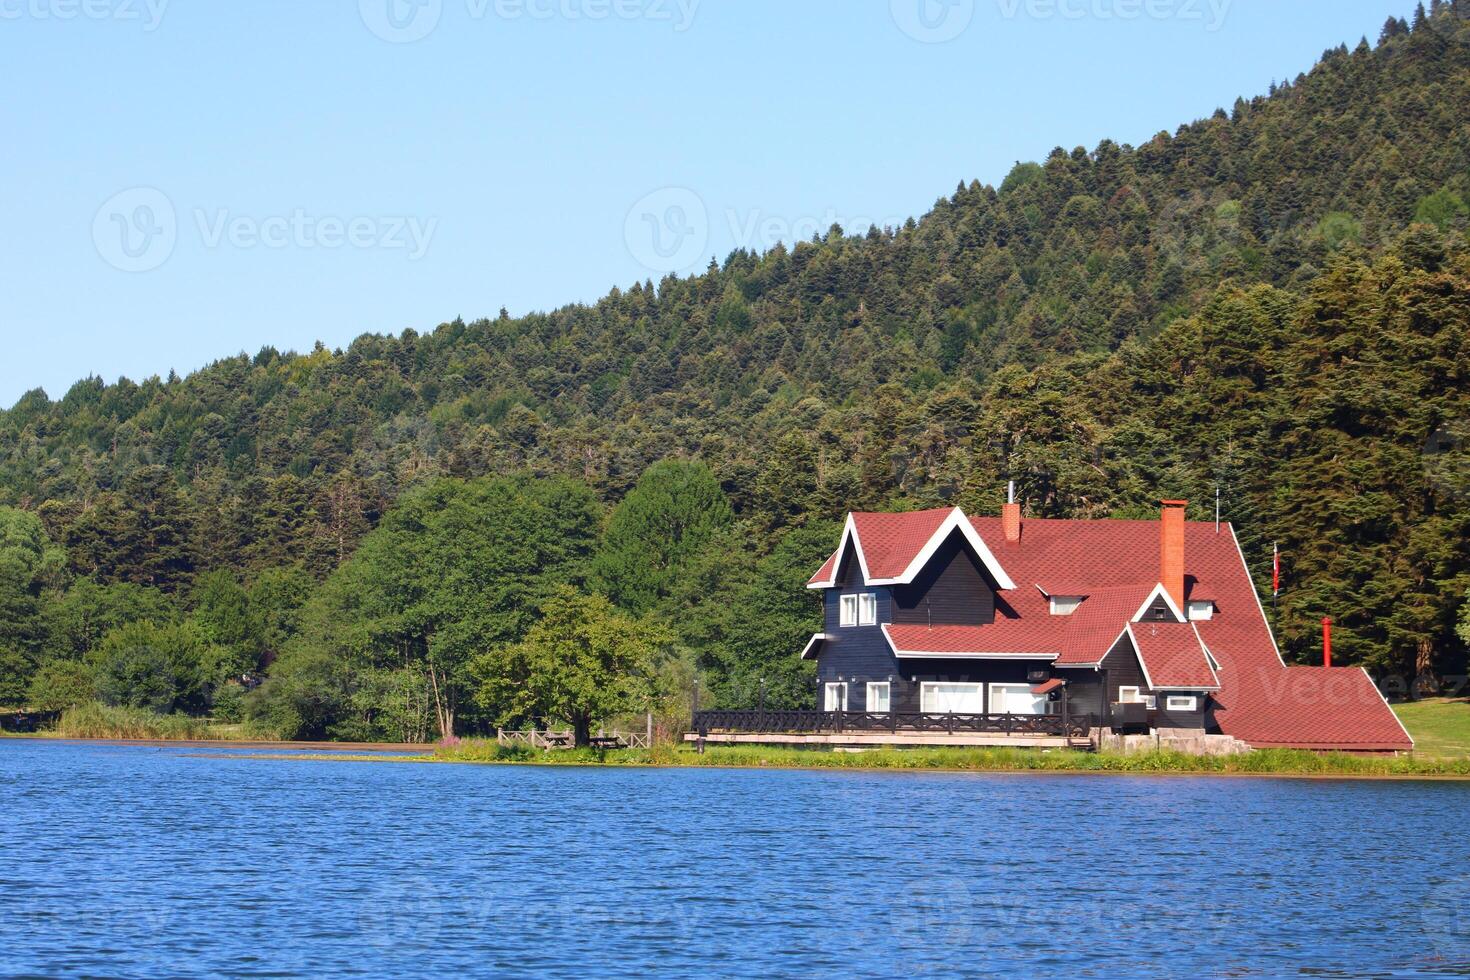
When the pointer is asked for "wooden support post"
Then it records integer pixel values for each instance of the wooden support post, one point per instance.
(648, 730)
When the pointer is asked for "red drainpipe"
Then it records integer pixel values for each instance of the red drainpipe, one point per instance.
(1326, 641)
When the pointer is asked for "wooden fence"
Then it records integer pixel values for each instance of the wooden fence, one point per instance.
(554, 739)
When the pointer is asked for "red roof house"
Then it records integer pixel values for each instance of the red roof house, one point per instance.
(1149, 624)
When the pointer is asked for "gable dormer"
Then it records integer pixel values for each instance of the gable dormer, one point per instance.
(953, 589)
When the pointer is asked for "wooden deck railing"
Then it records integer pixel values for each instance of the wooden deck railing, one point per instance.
(837, 722)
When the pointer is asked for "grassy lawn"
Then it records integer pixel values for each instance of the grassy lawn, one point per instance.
(1440, 726)
(1264, 762)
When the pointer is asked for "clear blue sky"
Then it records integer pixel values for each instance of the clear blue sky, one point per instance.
(186, 179)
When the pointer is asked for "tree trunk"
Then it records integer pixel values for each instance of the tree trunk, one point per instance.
(443, 709)
(582, 730)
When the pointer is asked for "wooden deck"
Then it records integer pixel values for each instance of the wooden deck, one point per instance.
(858, 728)
(888, 739)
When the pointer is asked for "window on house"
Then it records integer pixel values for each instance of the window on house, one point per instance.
(1132, 695)
(1016, 699)
(1065, 605)
(1181, 702)
(848, 615)
(878, 697)
(1201, 609)
(836, 697)
(867, 609)
(945, 698)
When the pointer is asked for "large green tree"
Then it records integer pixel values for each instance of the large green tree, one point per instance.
(657, 531)
(581, 663)
(456, 568)
(29, 562)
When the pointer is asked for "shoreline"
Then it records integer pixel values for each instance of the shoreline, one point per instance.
(1268, 763)
(787, 767)
(413, 748)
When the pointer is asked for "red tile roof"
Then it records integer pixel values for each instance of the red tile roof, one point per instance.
(1260, 700)
(1001, 637)
(1172, 656)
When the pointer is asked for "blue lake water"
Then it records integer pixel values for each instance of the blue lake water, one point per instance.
(144, 862)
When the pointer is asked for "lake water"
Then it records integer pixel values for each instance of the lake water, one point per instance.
(145, 862)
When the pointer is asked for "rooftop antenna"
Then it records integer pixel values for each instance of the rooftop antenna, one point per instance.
(1217, 508)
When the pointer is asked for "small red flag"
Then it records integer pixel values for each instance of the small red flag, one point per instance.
(1275, 570)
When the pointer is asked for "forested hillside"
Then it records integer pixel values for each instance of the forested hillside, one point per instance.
(1273, 301)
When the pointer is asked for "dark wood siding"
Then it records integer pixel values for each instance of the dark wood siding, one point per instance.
(952, 590)
(1123, 668)
(1084, 690)
(855, 654)
(1164, 718)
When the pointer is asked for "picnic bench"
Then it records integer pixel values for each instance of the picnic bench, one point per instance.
(607, 742)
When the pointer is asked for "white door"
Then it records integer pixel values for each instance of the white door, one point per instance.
(1016, 699)
(942, 698)
(836, 699)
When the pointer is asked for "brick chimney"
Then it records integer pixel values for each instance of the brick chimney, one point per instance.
(1010, 515)
(1171, 550)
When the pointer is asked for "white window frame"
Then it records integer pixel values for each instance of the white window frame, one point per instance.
(887, 690)
(1171, 703)
(847, 612)
(927, 688)
(1138, 697)
(834, 687)
(1199, 610)
(867, 609)
(1012, 685)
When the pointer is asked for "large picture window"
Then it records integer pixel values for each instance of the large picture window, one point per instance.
(950, 698)
(1016, 699)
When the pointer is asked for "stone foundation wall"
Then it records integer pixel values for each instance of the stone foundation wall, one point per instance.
(1188, 741)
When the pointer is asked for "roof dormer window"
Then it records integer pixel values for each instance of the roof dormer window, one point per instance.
(1201, 609)
(1065, 605)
